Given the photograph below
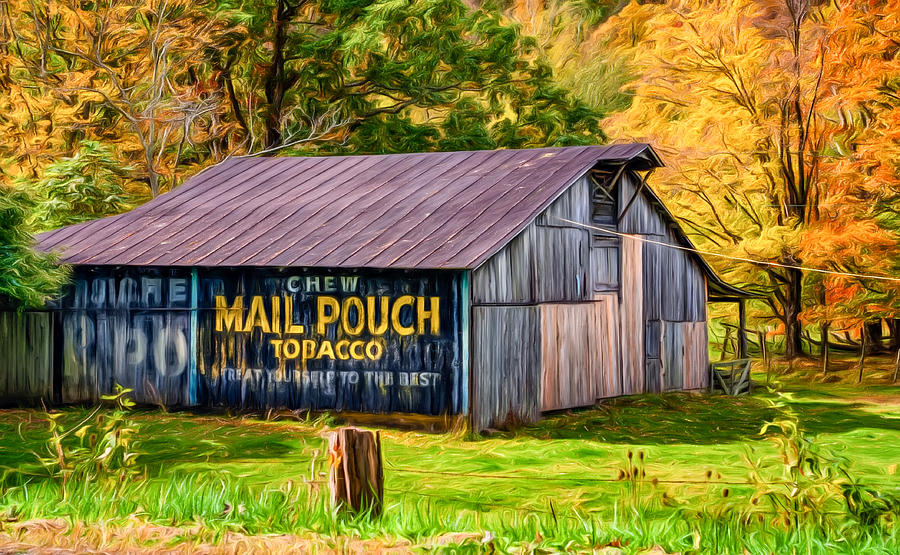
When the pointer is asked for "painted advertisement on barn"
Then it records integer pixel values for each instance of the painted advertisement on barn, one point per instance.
(126, 327)
(266, 338)
(374, 342)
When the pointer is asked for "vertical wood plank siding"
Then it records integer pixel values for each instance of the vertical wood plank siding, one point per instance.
(616, 316)
(548, 262)
(674, 300)
(26, 357)
(632, 317)
(506, 360)
(579, 362)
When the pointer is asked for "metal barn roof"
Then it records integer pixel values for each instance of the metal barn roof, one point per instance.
(427, 210)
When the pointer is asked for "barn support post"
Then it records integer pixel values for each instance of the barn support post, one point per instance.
(195, 330)
(742, 328)
(465, 310)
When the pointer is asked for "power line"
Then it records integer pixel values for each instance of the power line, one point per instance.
(738, 258)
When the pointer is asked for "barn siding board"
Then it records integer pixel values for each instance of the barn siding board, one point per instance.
(606, 351)
(579, 347)
(641, 216)
(26, 357)
(548, 262)
(632, 318)
(506, 354)
(685, 356)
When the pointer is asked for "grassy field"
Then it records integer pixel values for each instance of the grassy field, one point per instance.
(237, 483)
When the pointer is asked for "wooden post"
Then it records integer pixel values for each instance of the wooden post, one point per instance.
(824, 333)
(862, 354)
(742, 328)
(765, 353)
(725, 343)
(355, 473)
(896, 367)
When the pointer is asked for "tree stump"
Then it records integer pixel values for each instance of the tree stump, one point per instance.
(355, 474)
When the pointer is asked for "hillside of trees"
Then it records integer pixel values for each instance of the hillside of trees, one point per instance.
(778, 120)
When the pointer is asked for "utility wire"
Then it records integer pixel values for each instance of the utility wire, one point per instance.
(738, 258)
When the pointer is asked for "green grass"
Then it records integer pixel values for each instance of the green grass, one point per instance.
(551, 486)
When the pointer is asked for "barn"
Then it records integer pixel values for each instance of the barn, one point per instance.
(493, 285)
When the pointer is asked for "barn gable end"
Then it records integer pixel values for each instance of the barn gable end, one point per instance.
(606, 315)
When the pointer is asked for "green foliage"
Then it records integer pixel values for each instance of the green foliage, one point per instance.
(552, 487)
(815, 482)
(377, 76)
(27, 277)
(101, 447)
(83, 187)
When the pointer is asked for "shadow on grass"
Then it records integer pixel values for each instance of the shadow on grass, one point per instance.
(675, 418)
(164, 439)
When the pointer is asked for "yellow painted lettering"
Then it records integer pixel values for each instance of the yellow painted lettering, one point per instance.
(291, 348)
(256, 317)
(325, 350)
(323, 319)
(352, 302)
(404, 300)
(356, 350)
(381, 327)
(309, 349)
(340, 349)
(433, 314)
(374, 350)
(276, 343)
(229, 318)
(276, 315)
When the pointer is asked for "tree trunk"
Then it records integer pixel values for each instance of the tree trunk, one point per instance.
(894, 326)
(276, 81)
(896, 367)
(862, 354)
(876, 336)
(824, 332)
(793, 341)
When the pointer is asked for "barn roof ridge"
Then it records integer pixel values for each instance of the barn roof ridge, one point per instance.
(429, 210)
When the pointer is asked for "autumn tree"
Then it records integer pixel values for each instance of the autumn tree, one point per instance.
(733, 92)
(863, 197)
(130, 72)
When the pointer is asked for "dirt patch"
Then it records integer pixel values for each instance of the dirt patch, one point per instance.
(58, 537)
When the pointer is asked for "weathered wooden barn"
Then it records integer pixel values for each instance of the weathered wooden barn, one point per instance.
(493, 284)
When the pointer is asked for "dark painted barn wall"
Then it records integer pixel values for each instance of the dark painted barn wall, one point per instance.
(267, 338)
(26, 357)
(402, 359)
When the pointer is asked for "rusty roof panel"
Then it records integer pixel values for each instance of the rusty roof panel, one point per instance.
(422, 210)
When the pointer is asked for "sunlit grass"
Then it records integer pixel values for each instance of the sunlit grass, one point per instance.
(553, 485)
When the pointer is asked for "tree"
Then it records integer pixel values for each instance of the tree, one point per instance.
(28, 278)
(83, 187)
(733, 92)
(127, 69)
(387, 76)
